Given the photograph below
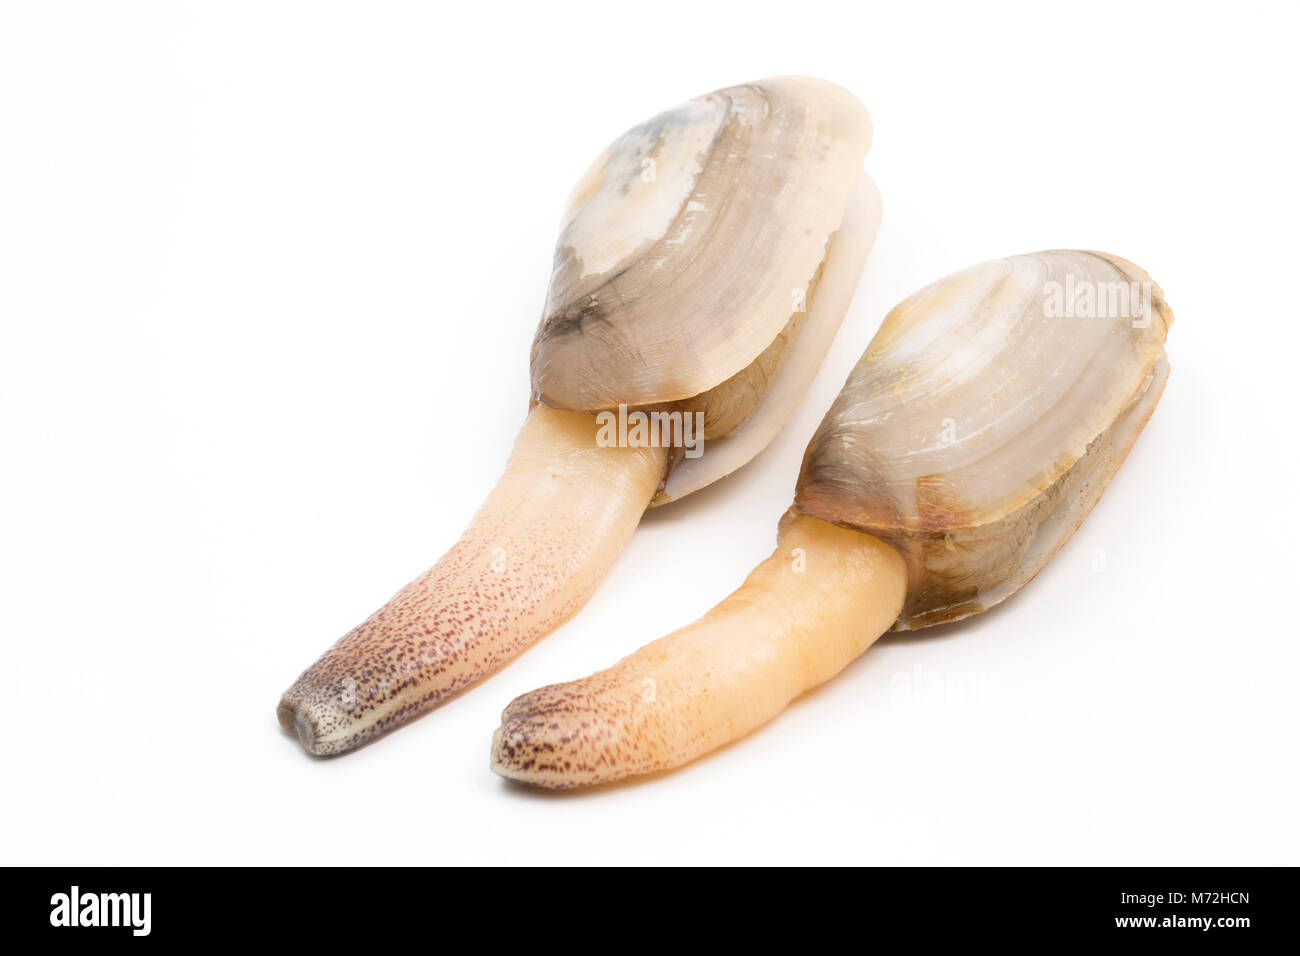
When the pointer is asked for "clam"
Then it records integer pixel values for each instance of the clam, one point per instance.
(977, 431)
(705, 262)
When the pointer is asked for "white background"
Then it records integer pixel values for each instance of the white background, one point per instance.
(268, 278)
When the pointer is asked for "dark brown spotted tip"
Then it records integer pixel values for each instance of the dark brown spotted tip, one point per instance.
(299, 724)
(322, 727)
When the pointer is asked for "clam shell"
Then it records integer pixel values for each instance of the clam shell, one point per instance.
(684, 245)
(985, 418)
(784, 386)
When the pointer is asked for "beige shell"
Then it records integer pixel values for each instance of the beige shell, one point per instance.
(686, 248)
(804, 343)
(985, 419)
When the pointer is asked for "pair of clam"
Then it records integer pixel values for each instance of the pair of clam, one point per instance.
(706, 261)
